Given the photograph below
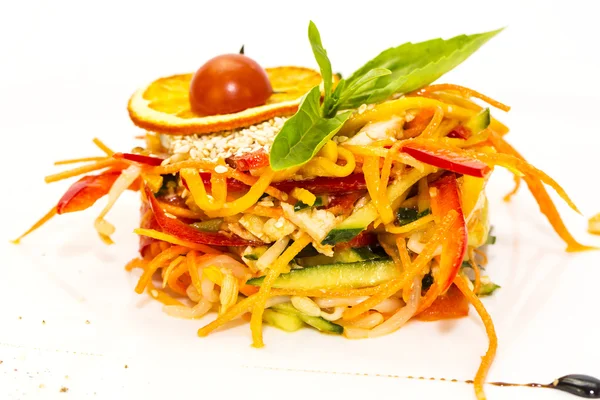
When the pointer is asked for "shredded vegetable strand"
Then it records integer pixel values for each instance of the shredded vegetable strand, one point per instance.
(246, 201)
(418, 224)
(161, 296)
(154, 234)
(198, 191)
(380, 199)
(103, 147)
(274, 271)
(434, 123)
(179, 269)
(421, 262)
(37, 225)
(240, 308)
(488, 358)
(543, 199)
(465, 92)
(517, 179)
(192, 265)
(79, 160)
(109, 162)
(164, 257)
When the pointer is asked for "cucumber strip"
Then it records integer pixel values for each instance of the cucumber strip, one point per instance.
(335, 276)
(284, 321)
(479, 122)
(316, 322)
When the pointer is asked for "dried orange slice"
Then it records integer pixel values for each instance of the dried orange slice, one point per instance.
(164, 106)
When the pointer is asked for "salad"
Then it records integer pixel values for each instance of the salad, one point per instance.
(301, 198)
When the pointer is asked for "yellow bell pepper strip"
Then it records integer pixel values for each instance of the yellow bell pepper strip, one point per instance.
(542, 197)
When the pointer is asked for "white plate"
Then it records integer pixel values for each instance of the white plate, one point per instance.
(545, 313)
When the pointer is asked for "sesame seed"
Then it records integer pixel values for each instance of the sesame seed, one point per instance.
(223, 144)
(220, 169)
(362, 108)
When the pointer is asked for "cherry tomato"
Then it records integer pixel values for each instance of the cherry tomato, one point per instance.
(229, 83)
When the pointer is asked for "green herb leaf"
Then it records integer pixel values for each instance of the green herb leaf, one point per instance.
(321, 56)
(413, 65)
(300, 205)
(303, 135)
(358, 87)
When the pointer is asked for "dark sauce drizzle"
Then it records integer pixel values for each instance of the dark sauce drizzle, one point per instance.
(584, 386)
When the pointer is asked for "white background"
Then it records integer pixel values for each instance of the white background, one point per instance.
(67, 69)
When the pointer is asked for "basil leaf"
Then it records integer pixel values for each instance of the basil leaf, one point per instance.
(303, 135)
(358, 86)
(321, 56)
(413, 66)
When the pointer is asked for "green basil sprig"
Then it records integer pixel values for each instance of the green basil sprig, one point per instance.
(400, 69)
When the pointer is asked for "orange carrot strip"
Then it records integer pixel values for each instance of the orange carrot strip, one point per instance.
(37, 225)
(488, 358)
(79, 160)
(161, 296)
(465, 92)
(164, 257)
(81, 170)
(103, 147)
(174, 240)
(543, 199)
(515, 189)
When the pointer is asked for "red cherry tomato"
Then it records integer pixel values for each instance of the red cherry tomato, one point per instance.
(229, 83)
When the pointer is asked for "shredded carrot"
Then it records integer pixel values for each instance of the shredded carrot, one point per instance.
(379, 198)
(387, 289)
(484, 258)
(210, 166)
(174, 240)
(136, 263)
(167, 271)
(465, 92)
(434, 123)
(488, 358)
(178, 272)
(274, 271)
(515, 189)
(192, 265)
(164, 257)
(262, 211)
(387, 166)
(103, 147)
(369, 151)
(105, 163)
(543, 199)
(403, 251)
(79, 160)
(180, 211)
(37, 225)
(240, 308)
(161, 296)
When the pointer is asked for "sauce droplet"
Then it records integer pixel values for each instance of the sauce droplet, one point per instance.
(580, 385)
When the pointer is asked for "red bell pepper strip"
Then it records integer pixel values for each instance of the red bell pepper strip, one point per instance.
(175, 227)
(139, 158)
(460, 132)
(86, 191)
(445, 197)
(248, 161)
(453, 304)
(446, 159)
(325, 185)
